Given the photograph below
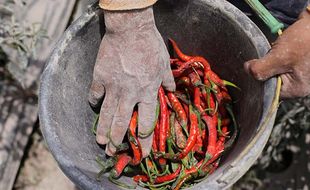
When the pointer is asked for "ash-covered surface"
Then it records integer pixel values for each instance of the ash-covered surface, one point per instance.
(285, 162)
(39, 170)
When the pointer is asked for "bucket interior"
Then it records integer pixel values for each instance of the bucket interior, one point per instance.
(199, 29)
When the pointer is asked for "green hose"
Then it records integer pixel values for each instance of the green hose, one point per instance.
(274, 25)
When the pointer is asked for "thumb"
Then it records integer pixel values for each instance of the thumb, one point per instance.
(168, 81)
(274, 63)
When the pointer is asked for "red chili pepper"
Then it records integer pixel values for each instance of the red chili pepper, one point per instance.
(212, 104)
(142, 178)
(168, 102)
(215, 166)
(186, 109)
(200, 73)
(154, 145)
(208, 99)
(226, 96)
(226, 122)
(182, 97)
(204, 105)
(204, 138)
(181, 182)
(214, 78)
(185, 67)
(219, 147)
(203, 97)
(220, 143)
(178, 108)
(213, 134)
(156, 137)
(163, 124)
(209, 169)
(149, 164)
(195, 79)
(178, 63)
(223, 111)
(211, 122)
(207, 82)
(186, 58)
(172, 61)
(192, 134)
(133, 140)
(162, 179)
(122, 161)
(197, 100)
(204, 62)
(198, 146)
(221, 95)
(177, 50)
(199, 143)
(195, 168)
(180, 137)
(168, 125)
(184, 81)
(191, 139)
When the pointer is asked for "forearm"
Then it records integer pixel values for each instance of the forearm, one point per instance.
(125, 4)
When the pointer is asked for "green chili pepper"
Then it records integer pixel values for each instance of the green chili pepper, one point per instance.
(94, 127)
(233, 137)
(105, 165)
(145, 135)
(120, 184)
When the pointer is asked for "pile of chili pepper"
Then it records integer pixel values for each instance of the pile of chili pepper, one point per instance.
(194, 126)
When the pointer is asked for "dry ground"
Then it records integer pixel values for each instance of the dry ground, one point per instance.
(39, 170)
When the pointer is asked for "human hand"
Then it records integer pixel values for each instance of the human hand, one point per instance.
(131, 64)
(289, 58)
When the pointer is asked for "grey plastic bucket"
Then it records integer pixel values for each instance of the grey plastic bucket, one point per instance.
(214, 29)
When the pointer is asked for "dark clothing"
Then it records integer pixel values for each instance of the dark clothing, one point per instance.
(287, 11)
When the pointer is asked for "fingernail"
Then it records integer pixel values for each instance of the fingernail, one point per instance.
(250, 68)
(102, 139)
(171, 87)
(146, 153)
(110, 149)
(246, 67)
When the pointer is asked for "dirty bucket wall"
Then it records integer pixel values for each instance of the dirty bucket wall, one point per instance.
(215, 30)
(203, 30)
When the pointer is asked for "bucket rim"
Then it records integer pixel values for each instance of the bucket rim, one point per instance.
(227, 177)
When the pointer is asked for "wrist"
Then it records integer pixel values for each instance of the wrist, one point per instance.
(125, 4)
(129, 20)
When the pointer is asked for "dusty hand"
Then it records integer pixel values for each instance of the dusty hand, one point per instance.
(289, 58)
(131, 65)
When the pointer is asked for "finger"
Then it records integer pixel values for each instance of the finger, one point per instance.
(293, 88)
(146, 124)
(120, 123)
(286, 88)
(146, 144)
(107, 111)
(110, 150)
(168, 80)
(274, 63)
(96, 93)
(147, 113)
